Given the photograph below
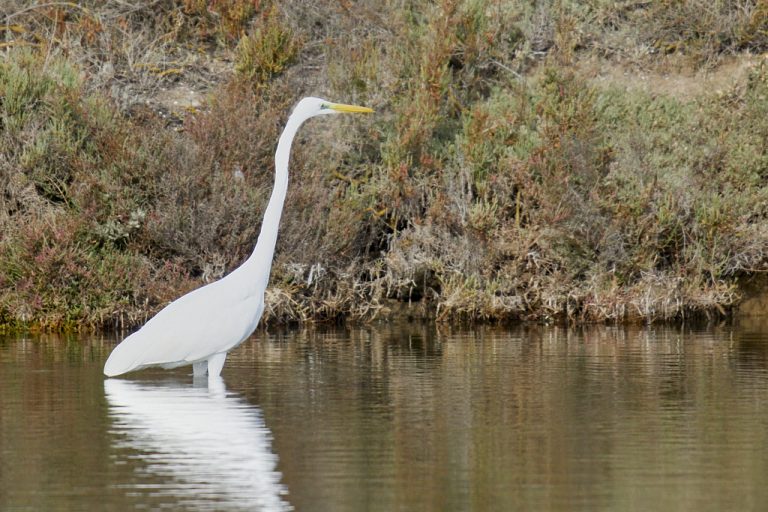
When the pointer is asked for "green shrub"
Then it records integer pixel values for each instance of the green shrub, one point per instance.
(267, 51)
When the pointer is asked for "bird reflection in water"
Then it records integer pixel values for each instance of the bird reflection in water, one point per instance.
(198, 445)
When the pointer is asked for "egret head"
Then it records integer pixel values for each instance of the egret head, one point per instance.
(310, 107)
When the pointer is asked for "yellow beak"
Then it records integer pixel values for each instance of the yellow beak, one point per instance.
(340, 107)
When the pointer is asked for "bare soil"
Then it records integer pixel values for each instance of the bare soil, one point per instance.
(673, 77)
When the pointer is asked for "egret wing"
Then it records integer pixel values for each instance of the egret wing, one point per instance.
(199, 324)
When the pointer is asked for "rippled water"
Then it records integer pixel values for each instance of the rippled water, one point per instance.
(396, 418)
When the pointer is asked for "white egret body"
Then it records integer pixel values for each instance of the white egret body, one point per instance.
(200, 327)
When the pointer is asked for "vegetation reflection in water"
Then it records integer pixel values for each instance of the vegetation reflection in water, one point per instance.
(533, 419)
(402, 417)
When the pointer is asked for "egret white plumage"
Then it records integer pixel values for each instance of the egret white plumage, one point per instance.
(200, 327)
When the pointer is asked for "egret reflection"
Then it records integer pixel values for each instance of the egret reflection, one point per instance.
(212, 446)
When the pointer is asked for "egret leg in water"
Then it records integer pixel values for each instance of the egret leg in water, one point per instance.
(200, 327)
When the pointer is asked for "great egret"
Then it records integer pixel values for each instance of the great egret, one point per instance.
(200, 327)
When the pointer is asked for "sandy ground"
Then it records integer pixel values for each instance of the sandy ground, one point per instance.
(673, 78)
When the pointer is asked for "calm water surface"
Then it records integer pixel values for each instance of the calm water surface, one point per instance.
(396, 418)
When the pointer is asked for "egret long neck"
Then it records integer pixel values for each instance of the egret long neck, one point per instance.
(259, 263)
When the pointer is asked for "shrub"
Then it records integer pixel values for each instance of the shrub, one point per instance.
(495, 182)
(267, 51)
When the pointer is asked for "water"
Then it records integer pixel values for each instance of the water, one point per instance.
(396, 418)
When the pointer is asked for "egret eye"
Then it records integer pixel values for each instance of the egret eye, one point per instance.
(324, 106)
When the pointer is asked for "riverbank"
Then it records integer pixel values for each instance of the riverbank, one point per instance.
(603, 163)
